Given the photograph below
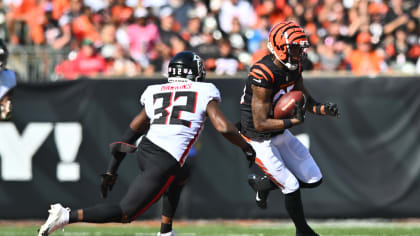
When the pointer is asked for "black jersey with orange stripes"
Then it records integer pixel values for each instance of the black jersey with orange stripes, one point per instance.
(266, 74)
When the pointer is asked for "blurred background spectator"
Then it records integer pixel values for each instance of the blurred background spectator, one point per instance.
(240, 10)
(86, 62)
(137, 37)
(364, 60)
(121, 65)
(142, 36)
(226, 62)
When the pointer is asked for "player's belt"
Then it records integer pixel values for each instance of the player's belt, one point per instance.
(260, 136)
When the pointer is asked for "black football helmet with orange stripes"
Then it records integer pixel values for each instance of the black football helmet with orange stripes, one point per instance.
(287, 41)
(185, 66)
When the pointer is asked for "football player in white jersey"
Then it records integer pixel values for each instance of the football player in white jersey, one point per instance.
(7, 84)
(170, 122)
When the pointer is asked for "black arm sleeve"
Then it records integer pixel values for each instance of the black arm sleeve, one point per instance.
(129, 137)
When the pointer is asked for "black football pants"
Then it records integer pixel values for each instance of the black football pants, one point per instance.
(172, 195)
(159, 169)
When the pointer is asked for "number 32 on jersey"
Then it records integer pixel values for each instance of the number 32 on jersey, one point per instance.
(169, 106)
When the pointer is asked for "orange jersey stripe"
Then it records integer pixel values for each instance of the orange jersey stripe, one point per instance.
(287, 85)
(246, 138)
(266, 69)
(260, 73)
(255, 75)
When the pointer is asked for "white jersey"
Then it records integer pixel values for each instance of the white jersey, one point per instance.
(177, 112)
(7, 81)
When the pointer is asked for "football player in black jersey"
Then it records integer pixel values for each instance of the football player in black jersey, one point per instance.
(288, 165)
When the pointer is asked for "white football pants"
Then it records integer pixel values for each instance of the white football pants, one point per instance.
(286, 160)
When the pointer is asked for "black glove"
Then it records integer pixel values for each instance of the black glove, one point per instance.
(108, 181)
(300, 112)
(250, 155)
(118, 151)
(331, 109)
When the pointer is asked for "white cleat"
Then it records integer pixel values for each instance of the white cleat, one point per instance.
(58, 218)
(166, 234)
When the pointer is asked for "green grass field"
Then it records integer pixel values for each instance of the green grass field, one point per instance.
(224, 228)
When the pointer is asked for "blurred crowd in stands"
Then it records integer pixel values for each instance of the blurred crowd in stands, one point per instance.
(120, 38)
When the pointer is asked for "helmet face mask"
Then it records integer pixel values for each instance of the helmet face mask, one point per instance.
(288, 43)
(296, 52)
(186, 66)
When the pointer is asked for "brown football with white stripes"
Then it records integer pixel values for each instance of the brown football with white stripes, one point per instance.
(285, 107)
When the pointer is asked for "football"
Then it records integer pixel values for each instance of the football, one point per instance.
(285, 106)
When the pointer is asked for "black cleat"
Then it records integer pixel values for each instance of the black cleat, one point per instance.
(261, 196)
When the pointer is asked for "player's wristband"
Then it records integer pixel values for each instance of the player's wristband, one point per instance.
(287, 123)
(318, 109)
